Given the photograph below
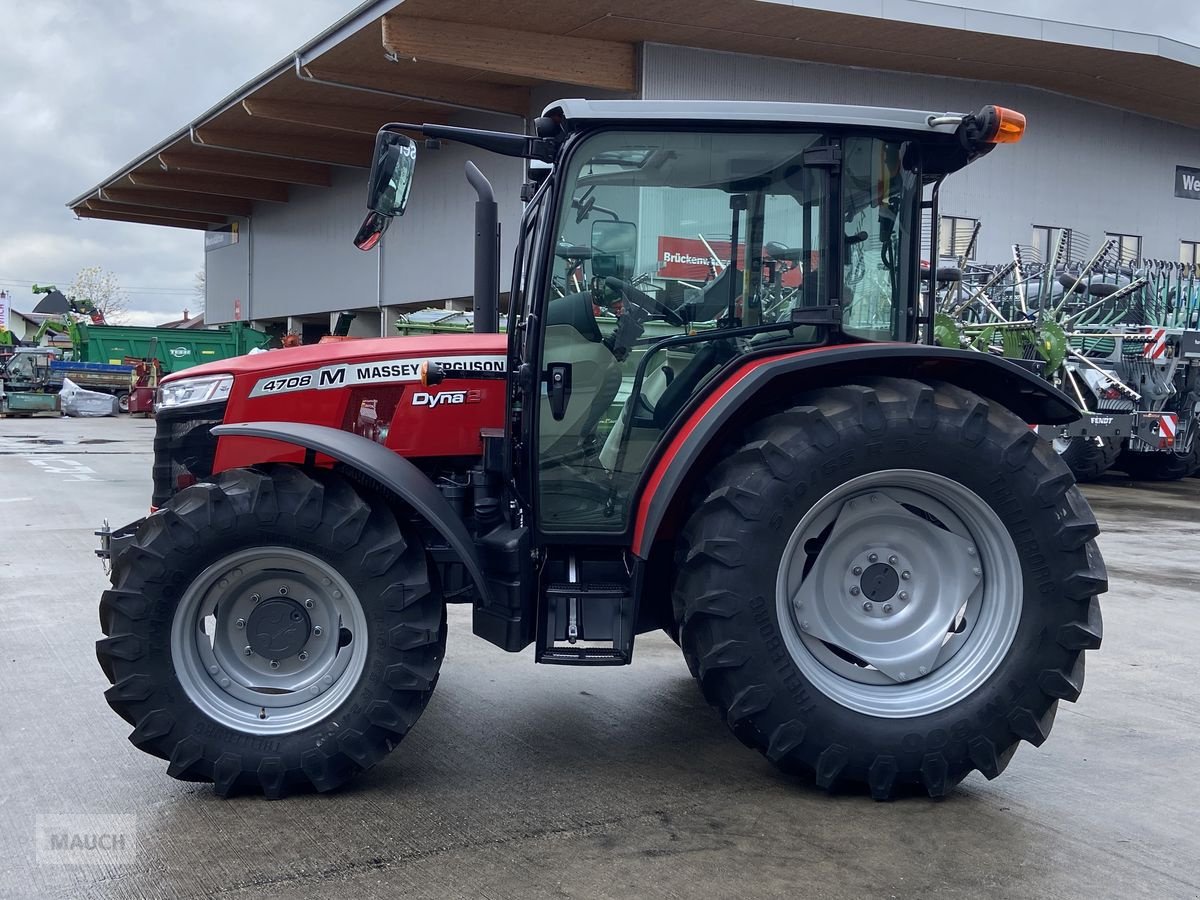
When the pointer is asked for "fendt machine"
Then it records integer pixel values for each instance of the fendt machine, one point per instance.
(876, 571)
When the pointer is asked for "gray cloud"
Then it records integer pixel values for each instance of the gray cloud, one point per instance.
(87, 86)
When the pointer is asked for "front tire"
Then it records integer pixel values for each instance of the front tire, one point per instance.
(982, 550)
(271, 631)
(1088, 458)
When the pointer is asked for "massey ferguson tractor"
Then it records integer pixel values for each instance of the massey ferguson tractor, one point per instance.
(718, 412)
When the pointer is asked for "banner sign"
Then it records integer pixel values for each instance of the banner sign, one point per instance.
(1187, 183)
(688, 259)
(4, 309)
(221, 236)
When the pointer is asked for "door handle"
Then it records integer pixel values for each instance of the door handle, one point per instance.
(558, 388)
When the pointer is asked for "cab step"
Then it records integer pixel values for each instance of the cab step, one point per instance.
(586, 622)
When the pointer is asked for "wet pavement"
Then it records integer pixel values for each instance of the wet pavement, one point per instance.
(521, 780)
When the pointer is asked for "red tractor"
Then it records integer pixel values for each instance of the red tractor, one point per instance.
(876, 571)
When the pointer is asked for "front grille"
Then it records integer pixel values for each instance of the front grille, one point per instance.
(184, 447)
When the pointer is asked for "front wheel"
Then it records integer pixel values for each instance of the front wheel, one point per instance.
(271, 631)
(1087, 457)
(890, 584)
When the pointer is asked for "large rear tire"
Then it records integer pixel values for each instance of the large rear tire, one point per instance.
(271, 631)
(890, 584)
(1087, 458)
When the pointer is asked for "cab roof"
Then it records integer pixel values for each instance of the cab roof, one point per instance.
(580, 110)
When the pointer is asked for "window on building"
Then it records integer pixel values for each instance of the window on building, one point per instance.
(954, 237)
(1128, 247)
(1045, 239)
(1189, 253)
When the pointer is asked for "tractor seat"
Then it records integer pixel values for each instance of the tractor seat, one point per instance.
(682, 386)
(780, 253)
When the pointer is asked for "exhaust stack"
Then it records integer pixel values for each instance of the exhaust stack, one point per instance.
(487, 253)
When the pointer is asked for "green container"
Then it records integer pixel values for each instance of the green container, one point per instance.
(176, 348)
(30, 402)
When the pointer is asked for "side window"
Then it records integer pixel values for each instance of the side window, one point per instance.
(879, 194)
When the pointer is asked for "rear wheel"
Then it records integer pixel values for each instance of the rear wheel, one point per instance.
(271, 632)
(1164, 466)
(890, 584)
(123, 402)
(1087, 457)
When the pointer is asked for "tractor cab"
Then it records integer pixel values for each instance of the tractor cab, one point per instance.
(669, 243)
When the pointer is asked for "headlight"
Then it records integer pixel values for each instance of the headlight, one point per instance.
(191, 391)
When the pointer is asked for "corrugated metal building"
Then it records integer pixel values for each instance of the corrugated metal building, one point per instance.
(275, 173)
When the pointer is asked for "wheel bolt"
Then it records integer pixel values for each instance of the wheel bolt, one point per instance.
(854, 592)
(318, 631)
(240, 623)
(874, 498)
(906, 575)
(868, 606)
(804, 626)
(283, 589)
(857, 570)
(923, 670)
(308, 604)
(977, 571)
(893, 559)
(904, 595)
(274, 664)
(874, 557)
(970, 551)
(254, 598)
(887, 608)
(248, 651)
(302, 655)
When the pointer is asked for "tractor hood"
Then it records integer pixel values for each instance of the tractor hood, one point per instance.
(372, 388)
(294, 359)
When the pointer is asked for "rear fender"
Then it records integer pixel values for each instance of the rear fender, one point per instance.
(394, 472)
(704, 430)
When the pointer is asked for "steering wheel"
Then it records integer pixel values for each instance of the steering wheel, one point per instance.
(645, 301)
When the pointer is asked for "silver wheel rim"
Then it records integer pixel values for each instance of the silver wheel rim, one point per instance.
(899, 593)
(1061, 445)
(324, 649)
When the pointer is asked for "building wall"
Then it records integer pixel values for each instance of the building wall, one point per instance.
(1081, 166)
(298, 259)
(227, 278)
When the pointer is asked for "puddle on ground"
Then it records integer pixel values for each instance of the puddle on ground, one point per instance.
(31, 440)
(98, 441)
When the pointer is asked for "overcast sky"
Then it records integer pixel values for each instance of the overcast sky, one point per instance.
(87, 85)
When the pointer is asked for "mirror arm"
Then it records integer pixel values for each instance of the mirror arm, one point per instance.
(502, 142)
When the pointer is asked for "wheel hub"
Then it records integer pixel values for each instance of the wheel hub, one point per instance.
(879, 582)
(278, 628)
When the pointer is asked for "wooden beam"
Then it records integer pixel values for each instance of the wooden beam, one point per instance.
(149, 211)
(219, 162)
(479, 94)
(336, 151)
(84, 213)
(547, 57)
(224, 185)
(225, 206)
(357, 119)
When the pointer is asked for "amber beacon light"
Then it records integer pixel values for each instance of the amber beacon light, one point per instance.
(998, 125)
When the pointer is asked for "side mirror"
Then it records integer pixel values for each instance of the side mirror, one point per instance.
(614, 249)
(388, 185)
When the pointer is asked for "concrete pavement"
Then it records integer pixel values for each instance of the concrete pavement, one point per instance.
(525, 781)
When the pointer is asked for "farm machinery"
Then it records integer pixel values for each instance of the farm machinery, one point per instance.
(877, 573)
(1121, 338)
